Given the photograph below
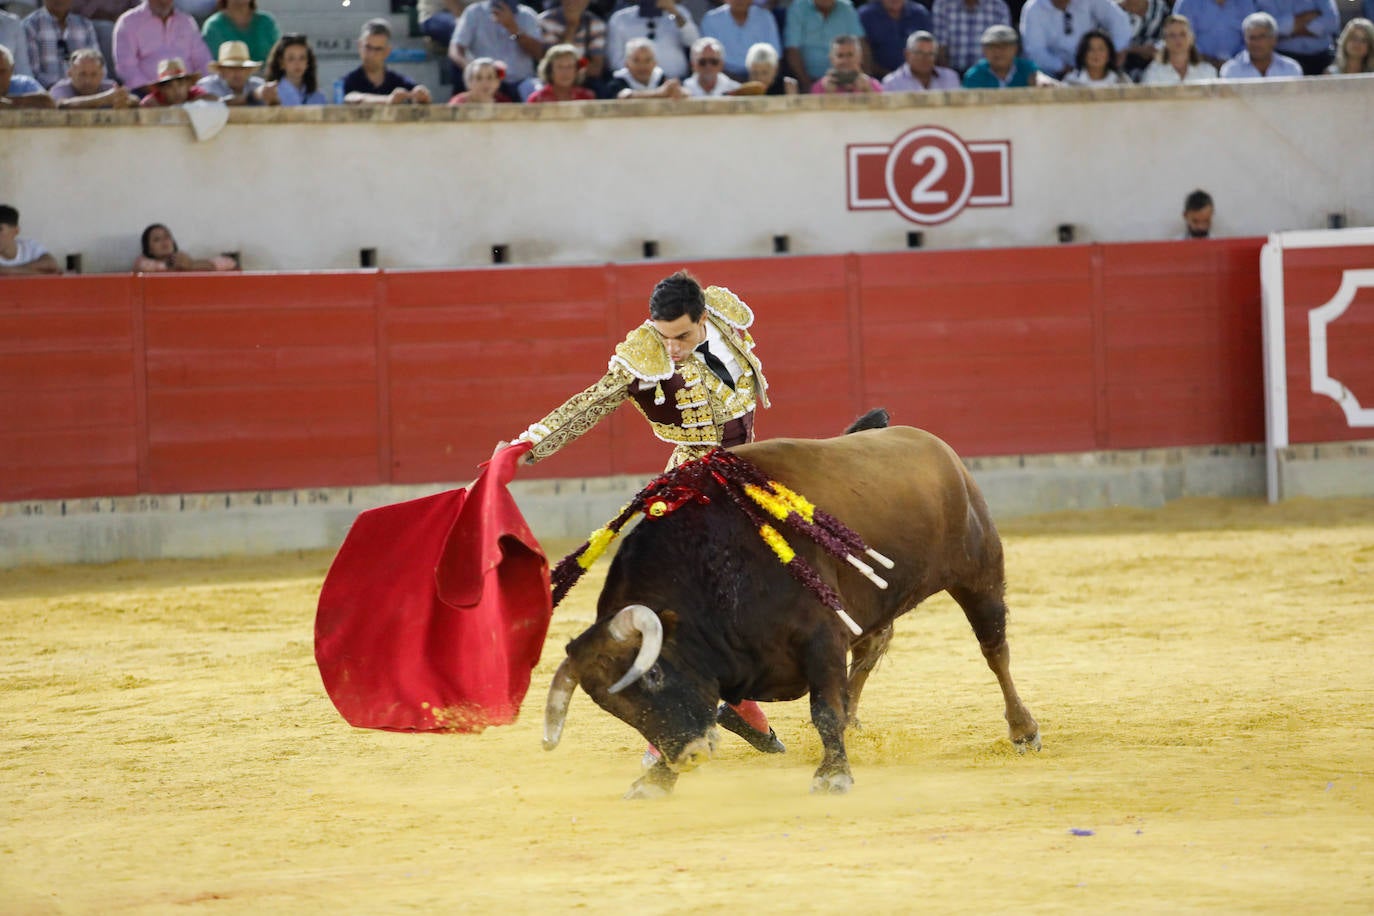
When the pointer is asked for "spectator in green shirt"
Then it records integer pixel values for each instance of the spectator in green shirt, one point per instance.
(239, 20)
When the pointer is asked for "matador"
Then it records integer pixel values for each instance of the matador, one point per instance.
(690, 369)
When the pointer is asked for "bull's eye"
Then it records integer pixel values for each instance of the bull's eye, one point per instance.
(652, 679)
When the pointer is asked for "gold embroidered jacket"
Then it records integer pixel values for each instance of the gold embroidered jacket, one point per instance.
(686, 405)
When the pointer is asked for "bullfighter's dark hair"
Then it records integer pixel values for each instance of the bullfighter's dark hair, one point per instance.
(675, 296)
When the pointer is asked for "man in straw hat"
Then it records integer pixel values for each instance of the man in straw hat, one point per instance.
(233, 82)
(174, 85)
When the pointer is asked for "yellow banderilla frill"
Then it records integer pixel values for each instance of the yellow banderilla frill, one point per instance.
(778, 543)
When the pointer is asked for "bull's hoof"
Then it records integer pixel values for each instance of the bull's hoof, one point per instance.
(641, 789)
(733, 721)
(1031, 742)
(832, 784)
(656, 783)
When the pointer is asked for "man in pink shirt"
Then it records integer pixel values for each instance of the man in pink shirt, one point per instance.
(153, 31)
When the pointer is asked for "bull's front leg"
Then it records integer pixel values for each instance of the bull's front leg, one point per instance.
(657, 782)
(829, 713)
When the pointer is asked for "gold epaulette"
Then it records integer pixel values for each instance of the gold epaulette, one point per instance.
(728, 307)
(643, 355)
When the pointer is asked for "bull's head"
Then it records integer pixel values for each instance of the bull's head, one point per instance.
(627, 667)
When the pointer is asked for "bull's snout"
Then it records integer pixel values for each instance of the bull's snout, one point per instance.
(696, 752)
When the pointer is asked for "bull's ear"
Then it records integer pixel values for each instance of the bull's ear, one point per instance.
(670, 621)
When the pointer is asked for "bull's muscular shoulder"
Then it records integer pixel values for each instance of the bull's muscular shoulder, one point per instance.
(728, 307)
(643, 355)
(872, 457)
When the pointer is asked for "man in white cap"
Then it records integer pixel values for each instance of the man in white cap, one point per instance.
(233, 81)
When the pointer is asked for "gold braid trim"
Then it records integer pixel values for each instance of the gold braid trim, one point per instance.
(643, 355)
(728, 307)
(578, 414)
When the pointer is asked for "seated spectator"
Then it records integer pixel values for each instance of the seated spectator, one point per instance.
(85, 85)
(1259, 59)
(483, 79)
(150, 33)
(240, 20)
(1355, 48)
(1197, 215)
(233, 82)
(571, 23)
(846, 75)
(920, 72)
(1216, 26)
(1307, 31)
(21, 256)
(738, 25)
(811, 26)
(764, 69)
(665, 23)
(707, 79)
(12, 36)
(1000, 67)
(1178, 61)
(1147, 33)
(560, 72)
(502, 30)
(373, 83)
(102, 15)
(52, 33)
(1095, 62)
(173, 86)
(887, 25)
(1052, 29)
(959, 28)
(160, 253)
(437, 19)
(18, 91)
(292, 73)
(642, 77)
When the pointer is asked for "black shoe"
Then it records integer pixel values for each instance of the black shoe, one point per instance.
(728, 719)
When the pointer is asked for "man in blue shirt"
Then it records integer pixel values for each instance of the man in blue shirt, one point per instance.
(738, 25)
(1216, 25)
(811, 27)
(1000, 68)
(1051, 30)
(1259, 61)
(17, 90)
(1307, 31)
(888, 24)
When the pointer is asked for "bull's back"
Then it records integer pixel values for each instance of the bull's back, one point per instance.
(903, 489)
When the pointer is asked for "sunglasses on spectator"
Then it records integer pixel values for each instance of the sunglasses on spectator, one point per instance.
(651, 26)
(709, 61)
(1068, 22)
(62, 48)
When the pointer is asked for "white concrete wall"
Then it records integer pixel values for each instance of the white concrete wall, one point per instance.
(436, 187)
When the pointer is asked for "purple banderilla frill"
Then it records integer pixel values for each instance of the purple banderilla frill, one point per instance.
(758, 498)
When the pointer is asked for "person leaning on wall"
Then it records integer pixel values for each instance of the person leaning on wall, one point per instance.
(21, 256)
(161, 253)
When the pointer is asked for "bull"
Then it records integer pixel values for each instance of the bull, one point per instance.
(696, 608)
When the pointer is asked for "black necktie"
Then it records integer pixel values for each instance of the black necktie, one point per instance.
(713, 362)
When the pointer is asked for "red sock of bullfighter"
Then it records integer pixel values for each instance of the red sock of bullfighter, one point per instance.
(753, 714)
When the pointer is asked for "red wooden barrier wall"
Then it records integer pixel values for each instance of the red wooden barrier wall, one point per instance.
(1311, 277)
(114, 385)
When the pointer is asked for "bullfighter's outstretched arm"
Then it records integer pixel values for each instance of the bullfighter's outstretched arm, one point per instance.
(578, 414)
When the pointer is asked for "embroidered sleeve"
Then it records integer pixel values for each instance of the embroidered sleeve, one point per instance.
(578, 414)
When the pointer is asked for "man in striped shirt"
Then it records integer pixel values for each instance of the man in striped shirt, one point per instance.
(53, 33)
(959, 28)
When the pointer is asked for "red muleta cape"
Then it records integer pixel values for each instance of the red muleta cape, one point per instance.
(434, 612)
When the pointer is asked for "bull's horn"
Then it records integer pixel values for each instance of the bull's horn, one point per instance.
(637, 618)
(556, 706)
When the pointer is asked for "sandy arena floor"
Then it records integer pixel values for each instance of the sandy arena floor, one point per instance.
(1201, 674)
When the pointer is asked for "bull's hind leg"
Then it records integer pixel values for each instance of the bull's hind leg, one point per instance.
(987, 614)
(867, 652)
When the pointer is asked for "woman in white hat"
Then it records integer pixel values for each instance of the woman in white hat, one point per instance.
(233, 82)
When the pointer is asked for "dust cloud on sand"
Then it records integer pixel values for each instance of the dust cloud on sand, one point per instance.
(1201, 675)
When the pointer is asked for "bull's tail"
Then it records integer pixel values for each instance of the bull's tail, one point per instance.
(876, 418)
